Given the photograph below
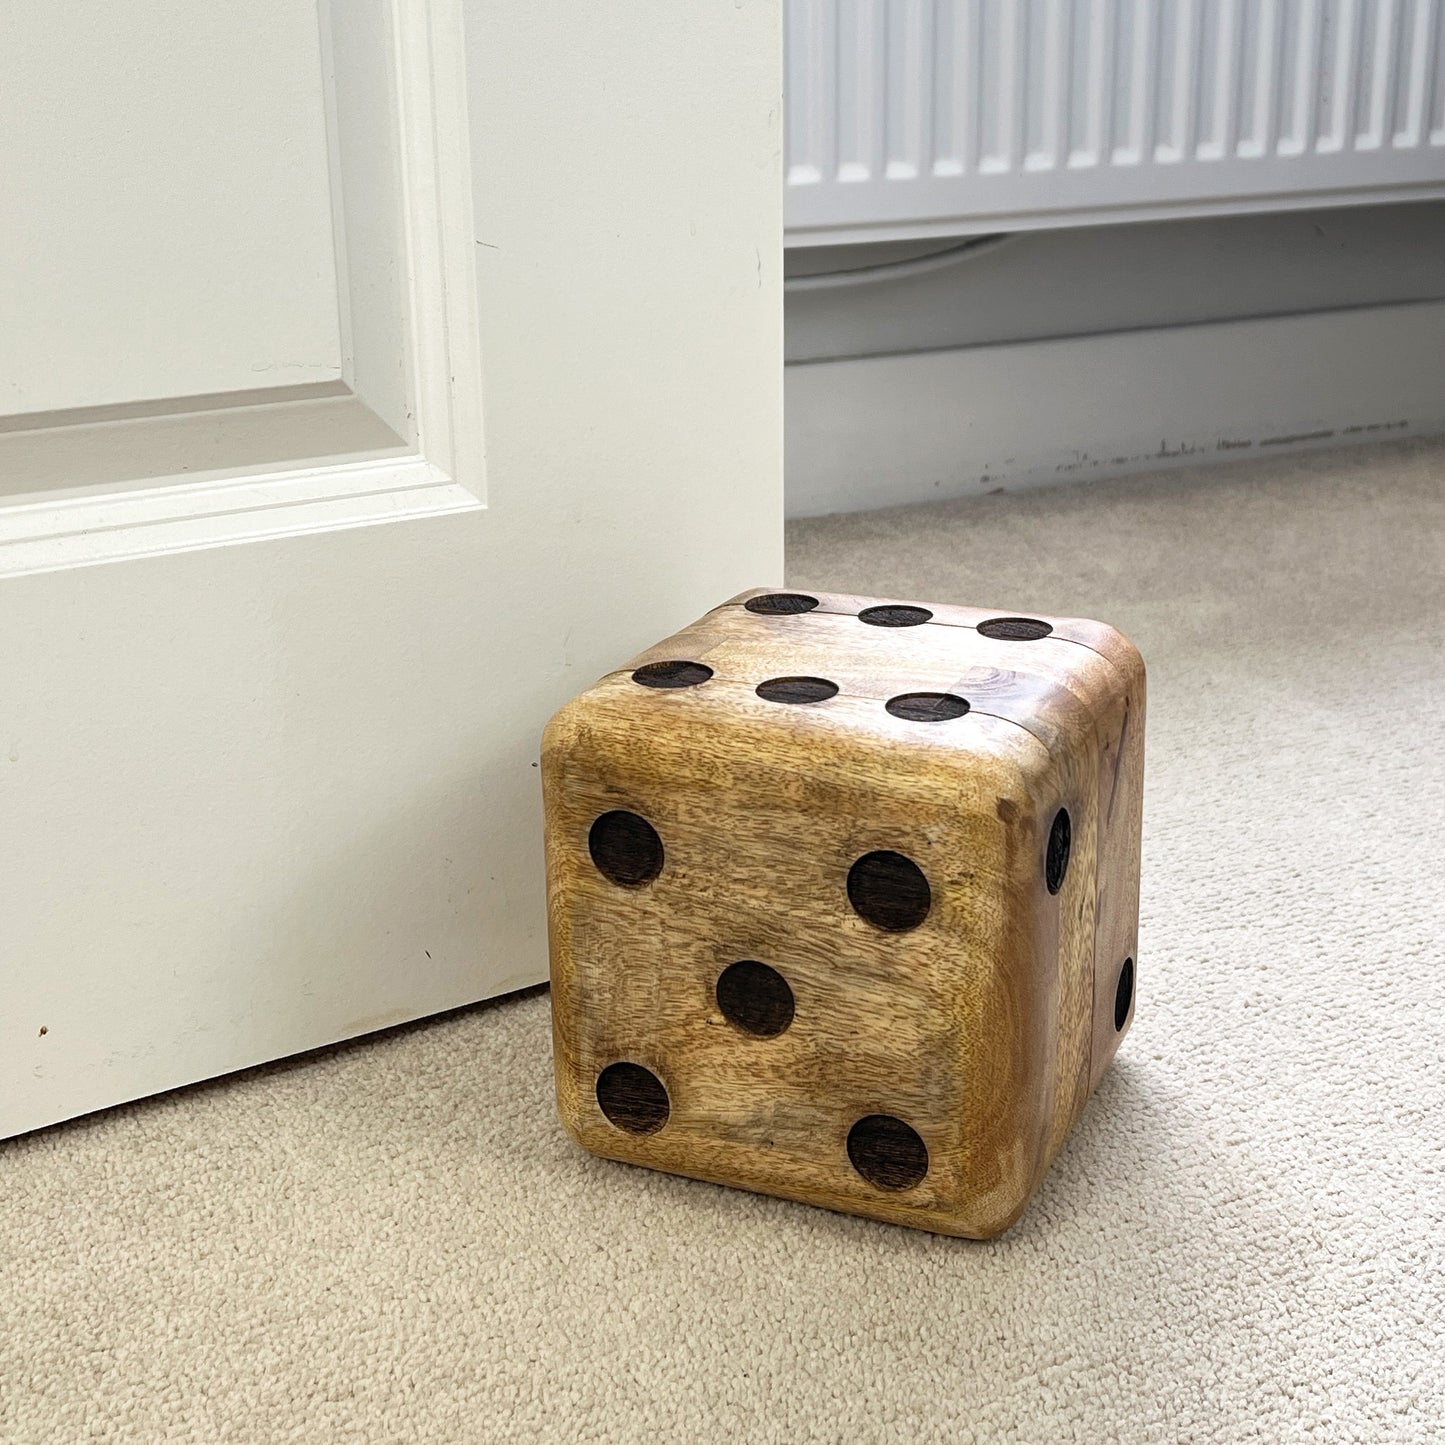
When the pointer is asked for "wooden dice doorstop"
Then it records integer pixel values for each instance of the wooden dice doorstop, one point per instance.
(843, 899)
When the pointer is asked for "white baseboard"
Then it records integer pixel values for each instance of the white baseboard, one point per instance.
(885, 430)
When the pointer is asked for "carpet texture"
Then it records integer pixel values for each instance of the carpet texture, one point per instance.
(1243, 1239)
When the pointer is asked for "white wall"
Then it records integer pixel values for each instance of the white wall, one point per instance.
(1064, 355)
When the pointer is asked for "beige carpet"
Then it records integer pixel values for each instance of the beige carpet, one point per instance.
(1244, 1239)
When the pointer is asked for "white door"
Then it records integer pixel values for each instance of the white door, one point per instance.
(371, 380)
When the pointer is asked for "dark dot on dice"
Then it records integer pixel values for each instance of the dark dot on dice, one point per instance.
(887, 1152)
(895, 615)
(1015, 629)
(672, 674)
(1056, 861)
(625, 848)
(781, 604)
(797, 689)
(632, 1098)
(927, 706)
(1124, 995)
(755, 998)
(889, 891)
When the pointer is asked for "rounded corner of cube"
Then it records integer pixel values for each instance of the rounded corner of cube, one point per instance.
(1121, 651)
(997, 1225)
(1129, 659)
(564, 728)
(970, 1219)
(994, 1214)
(573, 1126)
(572, 1113)
(745, 596)
(1109, 1033)
(1018, 778)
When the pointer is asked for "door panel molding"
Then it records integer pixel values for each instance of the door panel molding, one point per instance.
(405, 436)
(81, 531)
(436, 204)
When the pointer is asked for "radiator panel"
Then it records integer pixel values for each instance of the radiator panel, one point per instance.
(918, 117)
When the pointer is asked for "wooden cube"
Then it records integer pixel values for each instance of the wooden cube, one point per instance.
(844, 900)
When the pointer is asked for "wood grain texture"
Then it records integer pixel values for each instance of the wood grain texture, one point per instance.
(888, 867)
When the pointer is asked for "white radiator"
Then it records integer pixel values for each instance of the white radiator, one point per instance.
(912, 118)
